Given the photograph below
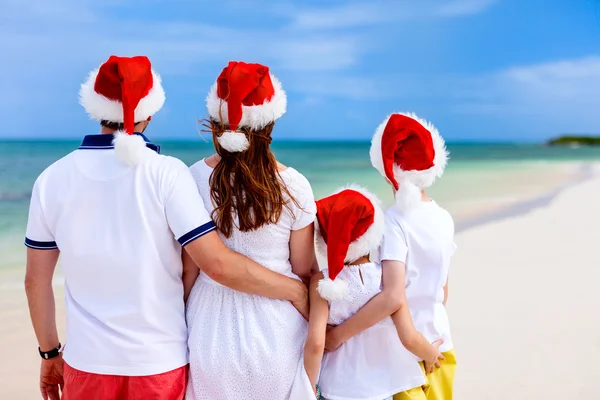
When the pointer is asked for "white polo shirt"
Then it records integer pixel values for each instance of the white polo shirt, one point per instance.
(119, 230)
(423, 239)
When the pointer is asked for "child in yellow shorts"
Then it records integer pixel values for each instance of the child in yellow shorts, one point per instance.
(418, 243)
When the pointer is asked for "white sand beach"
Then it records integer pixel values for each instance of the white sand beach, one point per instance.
(523, 305)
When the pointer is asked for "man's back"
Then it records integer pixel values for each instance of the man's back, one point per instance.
(117, 228)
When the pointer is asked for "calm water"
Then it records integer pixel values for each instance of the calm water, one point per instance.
(476, 172)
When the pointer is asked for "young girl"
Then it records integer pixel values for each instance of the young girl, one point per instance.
(245, 346)
(418, 243)
(373, 364)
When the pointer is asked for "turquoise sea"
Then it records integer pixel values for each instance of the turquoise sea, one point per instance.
(480, 177)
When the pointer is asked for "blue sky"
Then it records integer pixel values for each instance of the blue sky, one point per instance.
(478, 69)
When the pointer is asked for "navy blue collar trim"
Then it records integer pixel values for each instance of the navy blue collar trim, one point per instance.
(105, 141)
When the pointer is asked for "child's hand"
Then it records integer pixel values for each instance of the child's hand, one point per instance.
(434, 362)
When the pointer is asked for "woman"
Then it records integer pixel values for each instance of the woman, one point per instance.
(244, 346)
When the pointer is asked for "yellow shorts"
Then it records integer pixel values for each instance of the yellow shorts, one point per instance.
(439, 383)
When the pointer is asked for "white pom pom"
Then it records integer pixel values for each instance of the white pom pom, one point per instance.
(130, 149)
(332, 290)
(234, 142)
(408, 195)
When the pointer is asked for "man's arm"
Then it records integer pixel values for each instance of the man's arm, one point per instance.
(189, 275)
(379, 307)
(238, 272)
(40, 296)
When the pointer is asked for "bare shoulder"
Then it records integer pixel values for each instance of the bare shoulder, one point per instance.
(211, 161)
(281, 167)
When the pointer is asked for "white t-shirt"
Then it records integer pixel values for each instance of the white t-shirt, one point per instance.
(119, 230)
(372, 364)
(423, 239)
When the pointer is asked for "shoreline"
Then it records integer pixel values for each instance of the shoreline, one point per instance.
(526, 205)
(11, 276)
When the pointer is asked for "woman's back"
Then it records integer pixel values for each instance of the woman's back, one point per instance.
(268, 245)
(243, 345)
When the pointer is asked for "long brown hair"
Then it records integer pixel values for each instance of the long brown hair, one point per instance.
(247, 184)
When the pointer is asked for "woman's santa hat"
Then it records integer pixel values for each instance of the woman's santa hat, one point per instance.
(128, 91)
(349, 225)
(410, 153)
(244, 95)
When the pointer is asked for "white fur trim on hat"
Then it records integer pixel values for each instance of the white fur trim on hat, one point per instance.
(333, 290)
(101, 108)
(130, 149)
(234, 142)
(254, 117)
(421, 179)
(369, 241)
(408, 195)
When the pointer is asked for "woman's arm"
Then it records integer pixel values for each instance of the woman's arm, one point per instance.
(379, 307)
(317, 325)
(302, 252)
(190, 274)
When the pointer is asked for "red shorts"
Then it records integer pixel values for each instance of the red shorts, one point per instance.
(81, 385)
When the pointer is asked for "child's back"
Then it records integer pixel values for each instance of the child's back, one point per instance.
(423, 239)
(372, 364)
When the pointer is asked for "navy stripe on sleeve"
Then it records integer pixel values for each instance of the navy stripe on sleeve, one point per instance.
(40, 245)
(196, 233)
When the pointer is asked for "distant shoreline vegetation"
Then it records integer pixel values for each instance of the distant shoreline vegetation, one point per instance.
(575, 140)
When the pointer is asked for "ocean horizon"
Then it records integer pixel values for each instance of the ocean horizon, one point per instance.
(481, 178)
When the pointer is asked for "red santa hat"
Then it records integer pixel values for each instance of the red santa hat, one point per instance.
(349, 225)
(410, 153)
(127, 90)
(245, 95)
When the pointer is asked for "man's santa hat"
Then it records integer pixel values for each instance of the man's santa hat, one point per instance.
(125, 90)
(244, 95)
(410, 153)
(349, 225)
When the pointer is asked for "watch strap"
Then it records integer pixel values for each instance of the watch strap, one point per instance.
(46, 355)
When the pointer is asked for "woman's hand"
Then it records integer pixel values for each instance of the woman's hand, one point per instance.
(302, 304)
(434, 362)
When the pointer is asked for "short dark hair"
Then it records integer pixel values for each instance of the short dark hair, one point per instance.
(117, 126)
(112, 125)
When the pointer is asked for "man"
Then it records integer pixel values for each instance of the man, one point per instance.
(118, 214)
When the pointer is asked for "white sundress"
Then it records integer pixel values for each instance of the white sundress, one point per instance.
(372, 365)
(243, 346)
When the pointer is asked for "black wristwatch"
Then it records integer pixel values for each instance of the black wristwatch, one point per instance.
(46, 355)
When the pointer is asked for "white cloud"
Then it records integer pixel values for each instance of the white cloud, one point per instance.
(376, 12)
(540, 100)
(178, 46)
(552, 97)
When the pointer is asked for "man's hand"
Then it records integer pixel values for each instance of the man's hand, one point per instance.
(435, 361)
(51, 378)
(333, 339)
(301, 303)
